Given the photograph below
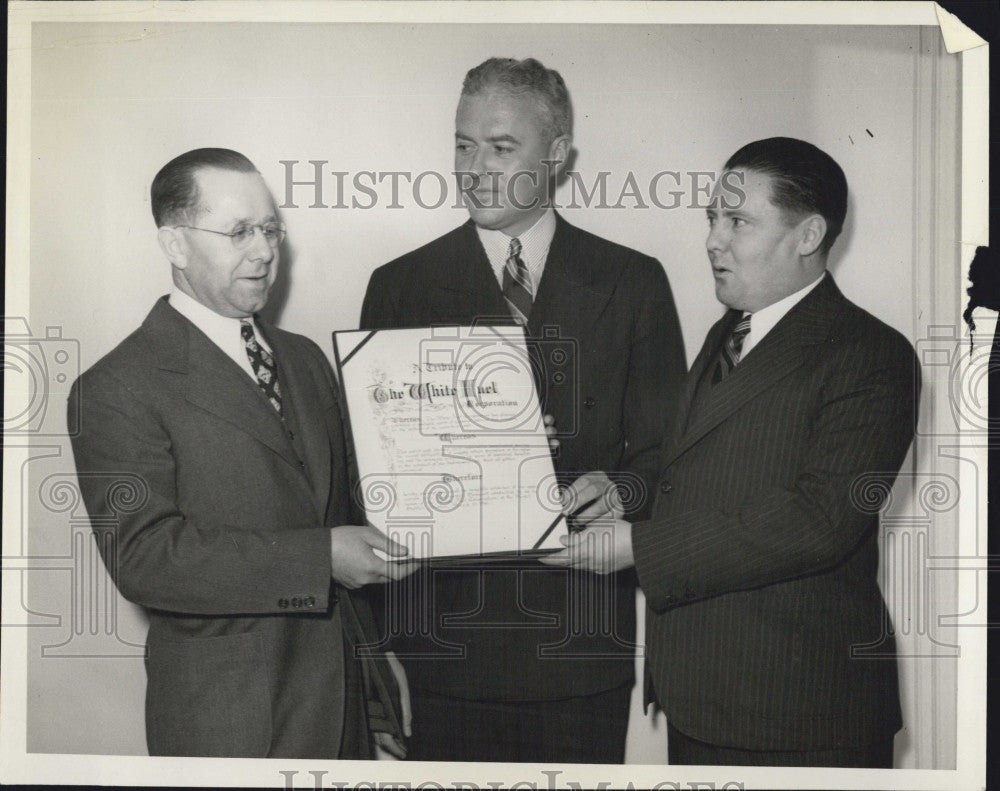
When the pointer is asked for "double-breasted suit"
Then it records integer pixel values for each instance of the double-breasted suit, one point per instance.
(222, 542)
(766, 629)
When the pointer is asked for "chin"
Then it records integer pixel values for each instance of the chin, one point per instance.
(251, 305)
(491, 219)
(728, 299)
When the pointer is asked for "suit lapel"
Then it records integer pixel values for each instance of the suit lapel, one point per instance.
(572, 295)
(574, 289)
(464, 284)
(214, 382)
(782, 350)
(706, 357)
(303, 411)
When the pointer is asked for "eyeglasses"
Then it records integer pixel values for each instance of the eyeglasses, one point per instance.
(273, 233)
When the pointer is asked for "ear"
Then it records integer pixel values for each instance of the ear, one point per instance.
(174, 246)
(813, 229)
(559, 149)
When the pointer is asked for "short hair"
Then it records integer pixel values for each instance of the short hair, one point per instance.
(174, 192)
(526, 76)
(804, 180)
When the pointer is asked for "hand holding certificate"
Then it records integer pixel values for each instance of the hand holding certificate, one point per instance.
(451, 445)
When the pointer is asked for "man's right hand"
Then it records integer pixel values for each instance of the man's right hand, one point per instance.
(355, 562)
(600, 496)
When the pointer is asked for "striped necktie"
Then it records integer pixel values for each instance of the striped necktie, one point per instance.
(263, 364)
(517, 284)
(731, 350)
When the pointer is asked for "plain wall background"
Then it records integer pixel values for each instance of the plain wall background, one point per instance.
(113, 102)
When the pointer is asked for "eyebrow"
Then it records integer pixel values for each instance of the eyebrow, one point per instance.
(726, 212)
(251, 221)
(494, 139)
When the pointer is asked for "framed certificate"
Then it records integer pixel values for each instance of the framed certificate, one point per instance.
(451, 447)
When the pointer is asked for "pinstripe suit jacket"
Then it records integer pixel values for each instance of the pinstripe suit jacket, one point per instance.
(766, 628)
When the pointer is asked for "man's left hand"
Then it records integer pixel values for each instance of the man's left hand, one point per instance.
(388, 746)
(604, 547)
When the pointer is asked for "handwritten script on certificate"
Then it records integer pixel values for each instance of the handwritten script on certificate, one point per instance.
(450, 440)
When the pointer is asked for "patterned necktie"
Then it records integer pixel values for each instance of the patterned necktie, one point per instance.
(517, 284)
(731, 350)
(263, 364)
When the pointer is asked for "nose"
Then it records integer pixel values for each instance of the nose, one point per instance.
(259, 249)
(717, 237)
(478, 162)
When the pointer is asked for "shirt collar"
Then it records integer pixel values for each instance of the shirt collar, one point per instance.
(535, 243)
(223, 331)
(765, 319)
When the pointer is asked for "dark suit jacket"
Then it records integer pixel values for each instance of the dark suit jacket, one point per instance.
(525, 635)
(760, 561)
(219, 539)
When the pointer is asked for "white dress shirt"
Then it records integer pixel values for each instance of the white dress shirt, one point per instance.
(223, 331)
(535, 243)
(764, 320)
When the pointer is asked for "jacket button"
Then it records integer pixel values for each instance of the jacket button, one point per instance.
(589, 402)
(666, 487)
(669, 600)
(283, 604)
(296, 602)
(309, 601)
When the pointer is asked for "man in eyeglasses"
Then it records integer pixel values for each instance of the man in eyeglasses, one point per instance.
(237, 539)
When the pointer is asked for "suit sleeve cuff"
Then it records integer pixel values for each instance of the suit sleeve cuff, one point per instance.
(309, 588)
(651, 565)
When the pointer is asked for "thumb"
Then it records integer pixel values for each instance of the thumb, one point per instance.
(379, 540)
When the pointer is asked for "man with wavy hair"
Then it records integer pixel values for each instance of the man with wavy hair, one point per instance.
(536, 663)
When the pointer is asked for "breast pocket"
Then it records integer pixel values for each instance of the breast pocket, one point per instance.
(208, 697)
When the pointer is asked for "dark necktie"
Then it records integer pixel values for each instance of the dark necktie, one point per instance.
(517, 284)
(263, 364)
(731, 350)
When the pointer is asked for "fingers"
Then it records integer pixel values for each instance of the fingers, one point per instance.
(379, 540)
(354, 559)
(590, 550)
(550, 431)
(404, 691)
(598, 510)
(389, 744)
(396, 570)
(560, 558)
(584, 489)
